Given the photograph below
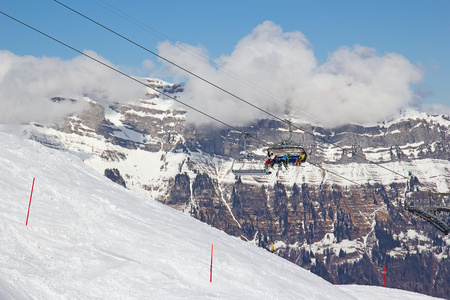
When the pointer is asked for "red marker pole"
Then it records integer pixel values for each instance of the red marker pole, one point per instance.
(29, 205)
(210, 272)
(384, 273)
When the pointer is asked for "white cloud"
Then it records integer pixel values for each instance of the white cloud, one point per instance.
(355, 85)
(275, 70)
(28, 83)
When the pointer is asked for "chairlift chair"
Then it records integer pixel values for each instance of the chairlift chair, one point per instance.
(296, 151)
(249, 163)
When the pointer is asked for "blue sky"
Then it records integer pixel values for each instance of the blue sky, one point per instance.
(417, 30)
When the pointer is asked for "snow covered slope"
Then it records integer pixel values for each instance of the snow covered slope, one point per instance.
(89, 238)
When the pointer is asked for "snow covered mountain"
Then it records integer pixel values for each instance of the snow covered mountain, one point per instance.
(88, 238)
(341, 215)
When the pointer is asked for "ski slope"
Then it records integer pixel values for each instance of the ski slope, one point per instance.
(89, 238)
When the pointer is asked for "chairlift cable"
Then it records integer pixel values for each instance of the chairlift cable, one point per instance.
(148, 86)
(220, 88)
(415, 210)
(169, 61)
(134, 79)
(205, 59)
(336, 174)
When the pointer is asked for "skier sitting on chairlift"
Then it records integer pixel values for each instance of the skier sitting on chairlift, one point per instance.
(274, 160)
(284, 160)
(298, 161)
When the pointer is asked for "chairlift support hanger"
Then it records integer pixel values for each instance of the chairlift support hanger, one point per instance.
(289, 141)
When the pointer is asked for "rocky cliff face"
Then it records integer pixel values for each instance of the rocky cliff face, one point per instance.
(340, 215)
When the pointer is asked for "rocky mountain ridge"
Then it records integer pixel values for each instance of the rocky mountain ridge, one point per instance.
(341, 214)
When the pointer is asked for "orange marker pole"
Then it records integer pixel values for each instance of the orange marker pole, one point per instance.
(210, 272)
(384, 273)
(29, 205)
